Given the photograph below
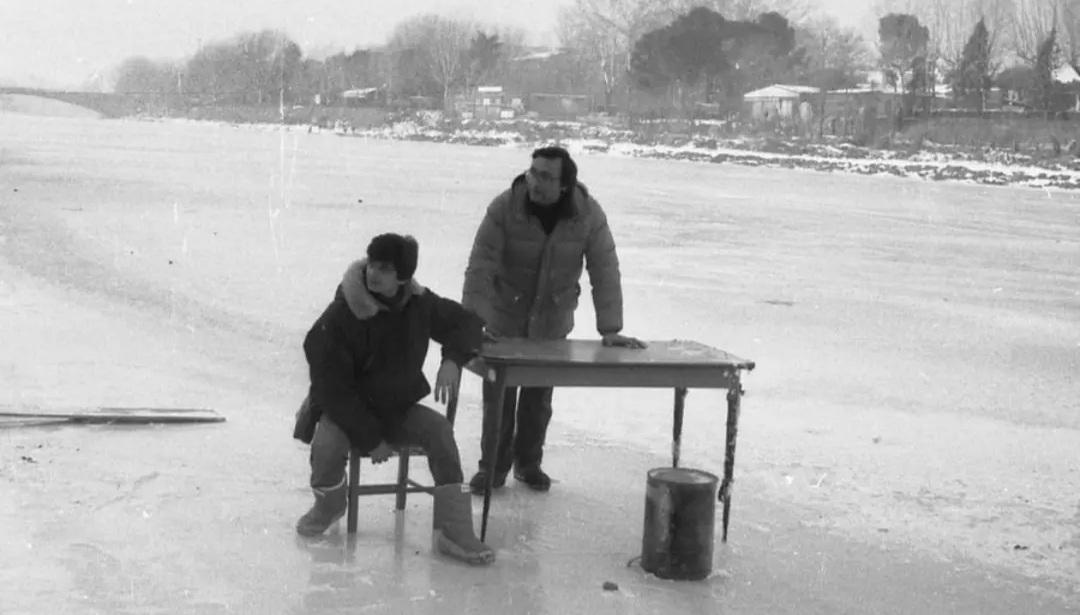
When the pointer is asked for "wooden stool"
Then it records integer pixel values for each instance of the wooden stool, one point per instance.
(404, 484)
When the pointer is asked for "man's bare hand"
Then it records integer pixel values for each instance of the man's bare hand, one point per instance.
(615, 339)
(446, 382)
(381, 452)
(490, 337)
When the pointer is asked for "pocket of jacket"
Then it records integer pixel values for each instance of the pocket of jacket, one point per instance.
(567, 297)
(506, 294)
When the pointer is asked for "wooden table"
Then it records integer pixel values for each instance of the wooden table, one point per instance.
(679, 364)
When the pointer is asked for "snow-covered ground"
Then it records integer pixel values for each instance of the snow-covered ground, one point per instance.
(908, 442)
(996, 167)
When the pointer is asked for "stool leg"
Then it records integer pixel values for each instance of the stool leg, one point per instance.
(354, 482)
(402, 478)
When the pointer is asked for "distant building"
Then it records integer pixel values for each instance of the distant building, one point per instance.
(878, 80)
(1067, 76)
(854, 102)
(777, 102)
(362, 97)
(538, 54)
(560, 106)
(486, 102)
(548, 82)
(489, 102)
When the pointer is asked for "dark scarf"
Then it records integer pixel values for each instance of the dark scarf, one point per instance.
(550, 214)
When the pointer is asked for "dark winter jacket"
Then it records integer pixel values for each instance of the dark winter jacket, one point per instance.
(524, 282)
(366, 358)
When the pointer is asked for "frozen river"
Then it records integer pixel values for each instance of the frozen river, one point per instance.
(915, 399)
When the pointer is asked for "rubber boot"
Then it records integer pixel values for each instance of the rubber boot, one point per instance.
(330, 505)
(452, 526)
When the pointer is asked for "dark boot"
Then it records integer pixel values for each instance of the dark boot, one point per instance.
(330, 505)
(533, 476)
(452, 527)
(479, 480)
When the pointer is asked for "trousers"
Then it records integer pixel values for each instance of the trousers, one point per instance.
(423, 427)
(526, 414)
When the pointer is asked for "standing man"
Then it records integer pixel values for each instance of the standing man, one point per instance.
(522, 279)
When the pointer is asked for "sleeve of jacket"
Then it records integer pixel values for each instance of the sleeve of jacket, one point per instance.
(333, 389)
(457, 329)
(484, 260)
(602, 263)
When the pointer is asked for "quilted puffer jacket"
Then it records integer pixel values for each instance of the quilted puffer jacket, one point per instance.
(523, 282)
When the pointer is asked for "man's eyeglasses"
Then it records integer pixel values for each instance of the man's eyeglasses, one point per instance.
(542, 176)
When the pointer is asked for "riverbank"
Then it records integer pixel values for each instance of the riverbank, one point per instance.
(929, 161)
(707, 142)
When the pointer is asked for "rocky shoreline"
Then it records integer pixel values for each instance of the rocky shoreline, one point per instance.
(932, 162)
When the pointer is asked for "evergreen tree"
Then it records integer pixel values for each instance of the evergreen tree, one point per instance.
(972, 76)
(1045, 62)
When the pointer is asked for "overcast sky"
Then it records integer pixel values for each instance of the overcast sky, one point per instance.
(64, 42)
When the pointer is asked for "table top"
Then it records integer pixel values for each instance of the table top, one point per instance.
(568, 353)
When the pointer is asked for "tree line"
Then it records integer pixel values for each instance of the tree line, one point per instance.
(434, 57)
(975, 45)
(645, 53)
(429, 56)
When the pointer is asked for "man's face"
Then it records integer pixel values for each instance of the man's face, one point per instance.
(382, 278)
(544, 179)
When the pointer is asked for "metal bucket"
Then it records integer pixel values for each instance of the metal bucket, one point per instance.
(680, 515)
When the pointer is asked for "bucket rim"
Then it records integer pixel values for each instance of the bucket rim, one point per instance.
(662, 472)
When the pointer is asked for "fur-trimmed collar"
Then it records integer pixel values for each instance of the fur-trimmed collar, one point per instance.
(361, 302)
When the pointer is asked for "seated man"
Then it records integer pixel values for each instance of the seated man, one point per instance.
(366, 355)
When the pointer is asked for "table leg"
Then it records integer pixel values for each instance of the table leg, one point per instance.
(497, 407)
(676, 428)
(734, 396)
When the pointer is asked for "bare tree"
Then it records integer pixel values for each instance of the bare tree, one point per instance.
(1035, 19)
(139, 75)
(440, 46)
(996, 16)
(1069, 29)
(449, 44)
(834, 53)
(1033, 22)
(604, 31)
(951, 22)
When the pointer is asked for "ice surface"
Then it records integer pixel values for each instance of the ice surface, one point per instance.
(907, 444)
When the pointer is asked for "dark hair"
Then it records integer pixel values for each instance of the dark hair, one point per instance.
(568, 177)
(400, 250)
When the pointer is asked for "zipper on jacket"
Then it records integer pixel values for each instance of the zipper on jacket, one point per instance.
(542, 275)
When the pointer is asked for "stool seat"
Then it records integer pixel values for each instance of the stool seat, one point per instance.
(404, 484)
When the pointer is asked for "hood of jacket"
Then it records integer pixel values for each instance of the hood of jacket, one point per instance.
(362, 303)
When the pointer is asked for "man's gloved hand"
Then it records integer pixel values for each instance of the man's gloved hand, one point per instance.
(615, 339)
(446, 381)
